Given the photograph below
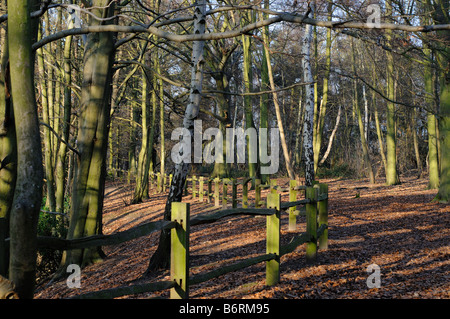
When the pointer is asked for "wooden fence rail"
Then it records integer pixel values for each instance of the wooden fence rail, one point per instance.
(316, 211)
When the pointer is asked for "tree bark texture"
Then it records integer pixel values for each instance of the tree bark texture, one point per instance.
(160, 259)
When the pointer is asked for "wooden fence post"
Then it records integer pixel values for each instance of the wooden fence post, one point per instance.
(216, 192)
(244, 194)
(292, 198)
(158, 182)
(194, 187)
(273, 240)
(322, 207)
(273, 186)
(163, 182)
(233, 193)
(179, 252)
(200, 189)
(224, 193)
(311, 224)
(257, 193)
(208, 198)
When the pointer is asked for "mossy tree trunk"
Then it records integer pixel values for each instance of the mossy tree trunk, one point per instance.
(89, 179)
(28, 191)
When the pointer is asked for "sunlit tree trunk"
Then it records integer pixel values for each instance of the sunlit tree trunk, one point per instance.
(308, 126)
(89, 179)
(48, 147)
(61, 163)
(323, 105)
(160, 258)
(391, 143)
(362, 133)
(28, 192)
(433, 166)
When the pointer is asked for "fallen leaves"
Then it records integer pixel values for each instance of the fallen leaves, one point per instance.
(397, 228)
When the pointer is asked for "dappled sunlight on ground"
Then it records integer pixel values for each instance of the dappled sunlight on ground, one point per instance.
(396, 227)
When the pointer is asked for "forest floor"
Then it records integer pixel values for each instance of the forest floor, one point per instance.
(396, 227)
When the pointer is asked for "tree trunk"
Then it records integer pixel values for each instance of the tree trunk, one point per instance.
(433, 166)
(391, 143)
(141, 190)
(8, 151)
(160, 259)
(264, 102)
(323, 105)
(61, 165)
(441, 16)
(48, 148)
(362, 133)
(308, 126)
(277, 110)
(89, 179)
(248, 107)
(28, 191)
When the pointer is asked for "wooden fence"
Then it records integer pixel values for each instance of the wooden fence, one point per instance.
(316, 212)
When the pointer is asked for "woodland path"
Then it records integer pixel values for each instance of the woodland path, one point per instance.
(396, 227)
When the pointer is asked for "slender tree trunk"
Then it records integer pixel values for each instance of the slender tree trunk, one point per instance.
(308, 126)
(277, 108)
(248, 107)
(362, 133)
(416, 143)
(141, 190)
(48, 148)
(28, 191)
(8, 151)
(161, 119)
(333, 133)
(323, 105)
(433, 166)
(160, 259)
(391, 143)
(61, 165)
(265, 86)
(298, 137)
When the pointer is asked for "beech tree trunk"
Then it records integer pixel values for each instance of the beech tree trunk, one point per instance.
(89, 179)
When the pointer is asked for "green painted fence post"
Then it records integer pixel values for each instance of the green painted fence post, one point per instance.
(216, 192)
(273, 186)
(273, 240)
(292, 198)
(322, 207)
(208, 198)
(257, 193)
(194, 187)
(158, 182)
(311, 224)
(200, 189)
(179, 252)
(244, 194)
(233, 193)
(224, 193)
